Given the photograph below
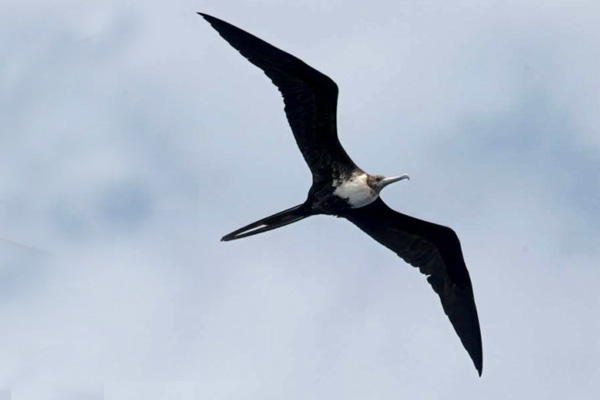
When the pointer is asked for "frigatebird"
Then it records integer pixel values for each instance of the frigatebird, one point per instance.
(340, 188)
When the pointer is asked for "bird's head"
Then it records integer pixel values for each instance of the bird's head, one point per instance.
(378, 182)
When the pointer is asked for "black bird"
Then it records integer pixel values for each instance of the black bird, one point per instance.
(342, 189)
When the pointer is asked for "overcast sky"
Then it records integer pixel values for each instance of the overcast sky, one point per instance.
(132, 138)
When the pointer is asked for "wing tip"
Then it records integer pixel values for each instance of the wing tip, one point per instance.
(207, 17)
(477, 361)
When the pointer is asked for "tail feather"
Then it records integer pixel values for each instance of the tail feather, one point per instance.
(275, 221)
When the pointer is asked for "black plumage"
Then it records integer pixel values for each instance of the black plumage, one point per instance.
(310, 99)
(436, 251)
(343, 189)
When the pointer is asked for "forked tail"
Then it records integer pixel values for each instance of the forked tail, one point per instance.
(275, 221)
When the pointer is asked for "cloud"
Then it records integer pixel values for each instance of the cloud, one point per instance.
(135, 138)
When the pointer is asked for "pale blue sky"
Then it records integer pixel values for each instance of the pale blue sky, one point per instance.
(133, 137)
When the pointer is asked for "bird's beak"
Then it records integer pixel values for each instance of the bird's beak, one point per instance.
(387, 181)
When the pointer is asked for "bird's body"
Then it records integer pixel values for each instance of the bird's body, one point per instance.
(341, 194)
(342, 189)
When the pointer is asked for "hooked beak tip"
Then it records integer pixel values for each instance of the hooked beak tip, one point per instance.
(387, 181)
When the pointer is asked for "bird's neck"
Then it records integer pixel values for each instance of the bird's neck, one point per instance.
(355, 190)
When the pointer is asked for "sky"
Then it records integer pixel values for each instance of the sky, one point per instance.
(132, 138)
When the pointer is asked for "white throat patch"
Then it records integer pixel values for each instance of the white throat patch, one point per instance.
(355, 191)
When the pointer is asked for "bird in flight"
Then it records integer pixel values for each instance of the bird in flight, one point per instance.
(342, 189)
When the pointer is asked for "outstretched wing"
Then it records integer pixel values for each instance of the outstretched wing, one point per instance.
(310, 99)
(436, 251)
